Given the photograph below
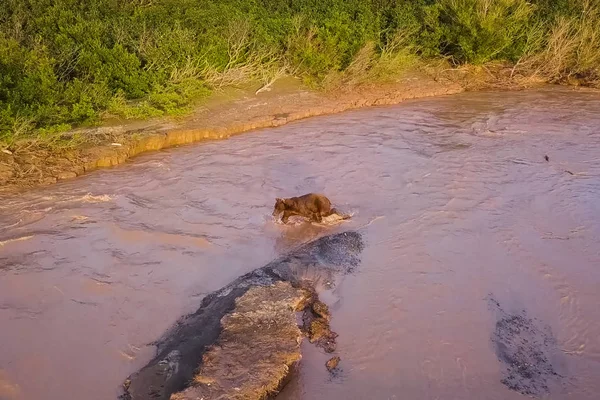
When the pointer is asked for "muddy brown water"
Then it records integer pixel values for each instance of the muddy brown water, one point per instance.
(456, 205)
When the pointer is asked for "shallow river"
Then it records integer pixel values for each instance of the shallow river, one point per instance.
(453, 196)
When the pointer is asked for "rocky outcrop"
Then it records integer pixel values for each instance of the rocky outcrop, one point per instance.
(257, 349)
(332, 364)
(243, 341)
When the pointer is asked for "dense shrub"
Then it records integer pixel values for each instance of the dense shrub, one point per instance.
(477, 31)
(65, 62)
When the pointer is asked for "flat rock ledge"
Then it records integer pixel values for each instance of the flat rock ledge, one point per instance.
(243, 342)
(257, 349)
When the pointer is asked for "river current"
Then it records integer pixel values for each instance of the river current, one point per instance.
(456, 203)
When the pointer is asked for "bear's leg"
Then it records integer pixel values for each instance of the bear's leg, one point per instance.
(317, 217)
(286, 217)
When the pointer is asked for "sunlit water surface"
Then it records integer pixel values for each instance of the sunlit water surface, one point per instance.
(453, 196)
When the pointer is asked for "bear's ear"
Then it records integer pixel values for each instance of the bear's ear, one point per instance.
(277, 199)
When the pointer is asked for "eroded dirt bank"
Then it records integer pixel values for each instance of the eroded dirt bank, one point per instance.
(228, 113)
(234, 111)
(244, 340)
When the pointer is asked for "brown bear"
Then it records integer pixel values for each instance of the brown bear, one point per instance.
(312, 206)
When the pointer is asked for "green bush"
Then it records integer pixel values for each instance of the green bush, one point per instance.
(478, 31)
(67, 62)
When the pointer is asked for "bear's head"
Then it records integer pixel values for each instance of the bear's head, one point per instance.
(279, 207)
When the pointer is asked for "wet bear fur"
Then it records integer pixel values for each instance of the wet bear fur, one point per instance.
(312, 206)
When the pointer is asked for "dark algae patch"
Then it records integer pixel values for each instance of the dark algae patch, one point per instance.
(525, 347)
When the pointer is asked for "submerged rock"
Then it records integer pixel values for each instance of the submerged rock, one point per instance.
(526, 349)
(243, 341)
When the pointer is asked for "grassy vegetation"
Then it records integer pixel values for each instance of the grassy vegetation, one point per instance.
(71, 62)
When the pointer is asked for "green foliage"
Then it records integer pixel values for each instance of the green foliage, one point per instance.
(478, 31)
(571, 47)
(68, 62)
